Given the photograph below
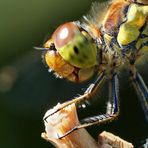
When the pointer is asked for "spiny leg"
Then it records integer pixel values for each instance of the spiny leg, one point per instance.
(113, 109)
(113, 99)
(141, 89)
(87, 94)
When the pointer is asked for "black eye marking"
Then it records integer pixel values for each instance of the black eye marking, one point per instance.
(76, 50)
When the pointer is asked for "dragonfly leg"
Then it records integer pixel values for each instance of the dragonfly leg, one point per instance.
(87, 94)
(141, 89)
(112, 111)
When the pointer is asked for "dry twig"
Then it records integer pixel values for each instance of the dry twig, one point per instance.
(64, 120)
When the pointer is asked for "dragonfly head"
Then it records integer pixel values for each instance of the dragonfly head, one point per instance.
(72, 52)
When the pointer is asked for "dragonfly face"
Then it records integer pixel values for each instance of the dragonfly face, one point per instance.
(72, 52)
(76, 49)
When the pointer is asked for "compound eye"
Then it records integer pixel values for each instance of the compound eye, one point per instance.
(64, 34)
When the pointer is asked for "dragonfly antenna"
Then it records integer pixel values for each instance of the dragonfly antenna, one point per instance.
(41, 48)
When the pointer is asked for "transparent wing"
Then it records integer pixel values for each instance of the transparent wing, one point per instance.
(95, 16)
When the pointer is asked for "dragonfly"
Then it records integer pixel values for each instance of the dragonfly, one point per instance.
(112, 36)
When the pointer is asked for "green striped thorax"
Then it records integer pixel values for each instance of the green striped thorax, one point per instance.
(129, 31)
(75, 46)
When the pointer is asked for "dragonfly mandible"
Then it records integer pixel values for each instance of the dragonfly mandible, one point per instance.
(103, 41)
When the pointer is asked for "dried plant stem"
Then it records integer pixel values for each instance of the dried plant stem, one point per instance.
(108, 139)
(64, 120)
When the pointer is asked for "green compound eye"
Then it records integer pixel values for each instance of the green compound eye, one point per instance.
(75, 47)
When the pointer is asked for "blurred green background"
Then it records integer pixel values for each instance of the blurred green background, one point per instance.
(27, 90)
